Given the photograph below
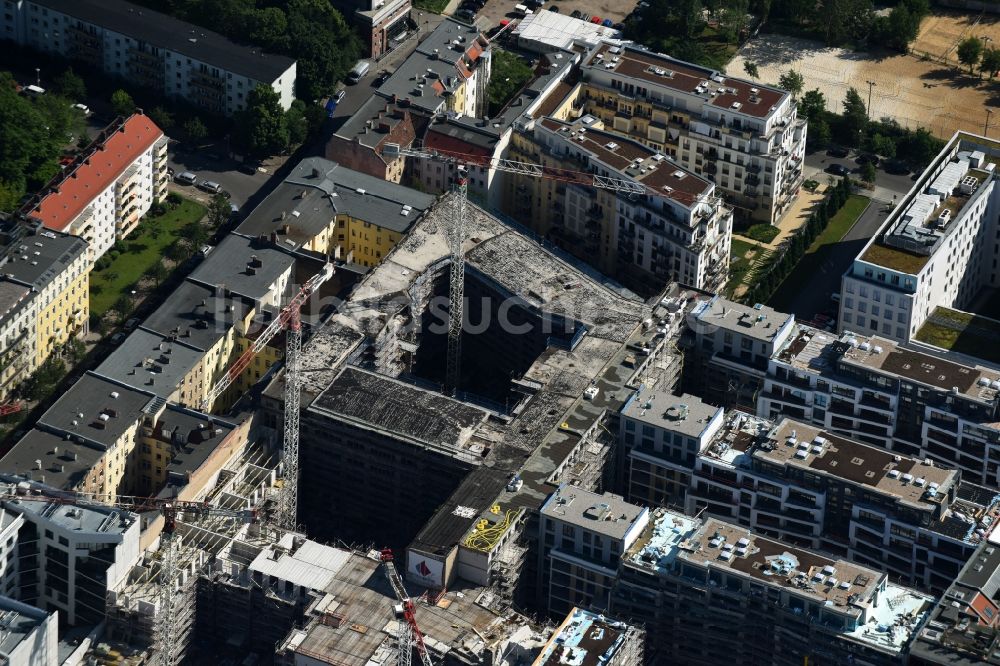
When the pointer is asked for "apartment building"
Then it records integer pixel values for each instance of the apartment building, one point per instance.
(56, 269)
(150, 49)
(661, 435)
(587, 639)
(109, 187)
(18, 340)
(332, 210)
(70, 557)
(962, 629)
(382, 22)
(582, 537)
(804, 485)
(876, 391)
(359, 142)
(448, 72)
(743, 136)
(646, 223)
(937, 249)
(729, 346)
(710, 592)
(29, 636)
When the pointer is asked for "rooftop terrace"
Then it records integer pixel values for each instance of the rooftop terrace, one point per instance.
(907, 479)
(584, 639)
(976, 382)
(962, 332)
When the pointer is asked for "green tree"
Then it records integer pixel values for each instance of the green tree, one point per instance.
(261, 129)
(269, 28)
(792, 81)
(855, 117)
(989, 64)
(218, 211)
(163, 118)
(298, 124)
(157, 273)
(919, 147)
(508, 76)
(196, 234)
(818, 136)
(71, 86)
(122, 103)
(123, 306)
(43, 381)
(195, 130)
(177, 251)
(868, 172)
(812, 105)
(883, 145)
(969, 51)
(751, 69)
(27, 149)
(323, 43)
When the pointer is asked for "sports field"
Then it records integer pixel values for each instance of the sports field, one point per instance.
(914, 90)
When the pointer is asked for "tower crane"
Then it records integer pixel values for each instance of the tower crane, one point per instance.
(165, 631)
(408, 634)
(289, 320)
(455, 231)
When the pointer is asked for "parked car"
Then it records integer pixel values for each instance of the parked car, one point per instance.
(117, 338)
(186, 178)
(466, 15)
(607, 23)
(83, 107)
(233, 210)
(868, 158)
(838, 170)
(596, 20)
(837, 151)
(554, 8)
(210, 186)
(249, 168)
(131, 324)
(576, 13)
(382, 77)
(897, 167)
(339, 97)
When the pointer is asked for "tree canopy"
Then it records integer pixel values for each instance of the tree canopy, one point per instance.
(969, 50)
(792, 81)
(262, 128)
(32, 135)
(989, 64)
(70, 85)
(122, 103)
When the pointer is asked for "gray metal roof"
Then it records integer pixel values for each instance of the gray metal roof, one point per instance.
(65, 463)
(150, 361)
(606, 514)
(196, 316)
(161, 30)
(17, 622)
(434, 60)
(193, 437)
(82, 409)
(317, 190)
(686, 414)
(229, 265)
(38, 258)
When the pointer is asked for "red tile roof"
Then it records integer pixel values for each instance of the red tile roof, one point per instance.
(100, 169)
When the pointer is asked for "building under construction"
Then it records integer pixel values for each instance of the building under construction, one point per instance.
(550, 352)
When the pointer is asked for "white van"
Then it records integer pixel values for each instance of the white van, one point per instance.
(33, 91)
(521, 9)
(359, 71)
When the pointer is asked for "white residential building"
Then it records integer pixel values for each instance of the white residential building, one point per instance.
(28, 636)
(582, 536)
(150, 49)
(742, 135)
(104, 193)
(70, 557)
(937, 249)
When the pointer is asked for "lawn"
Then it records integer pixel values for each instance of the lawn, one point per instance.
(145, 247)
(436, 6)
(738, 263)
(841, 223)
(962, 332)
(764, 233)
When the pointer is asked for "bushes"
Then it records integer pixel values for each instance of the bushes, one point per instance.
(784, 260)
(763, 233)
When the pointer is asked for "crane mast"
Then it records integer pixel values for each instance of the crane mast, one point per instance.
(456, 283)
(408, 634)
(289, 320)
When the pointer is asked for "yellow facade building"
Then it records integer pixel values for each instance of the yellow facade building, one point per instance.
(333, 210)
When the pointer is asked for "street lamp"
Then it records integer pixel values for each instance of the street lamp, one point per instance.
(38, 77)
(871, 84)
